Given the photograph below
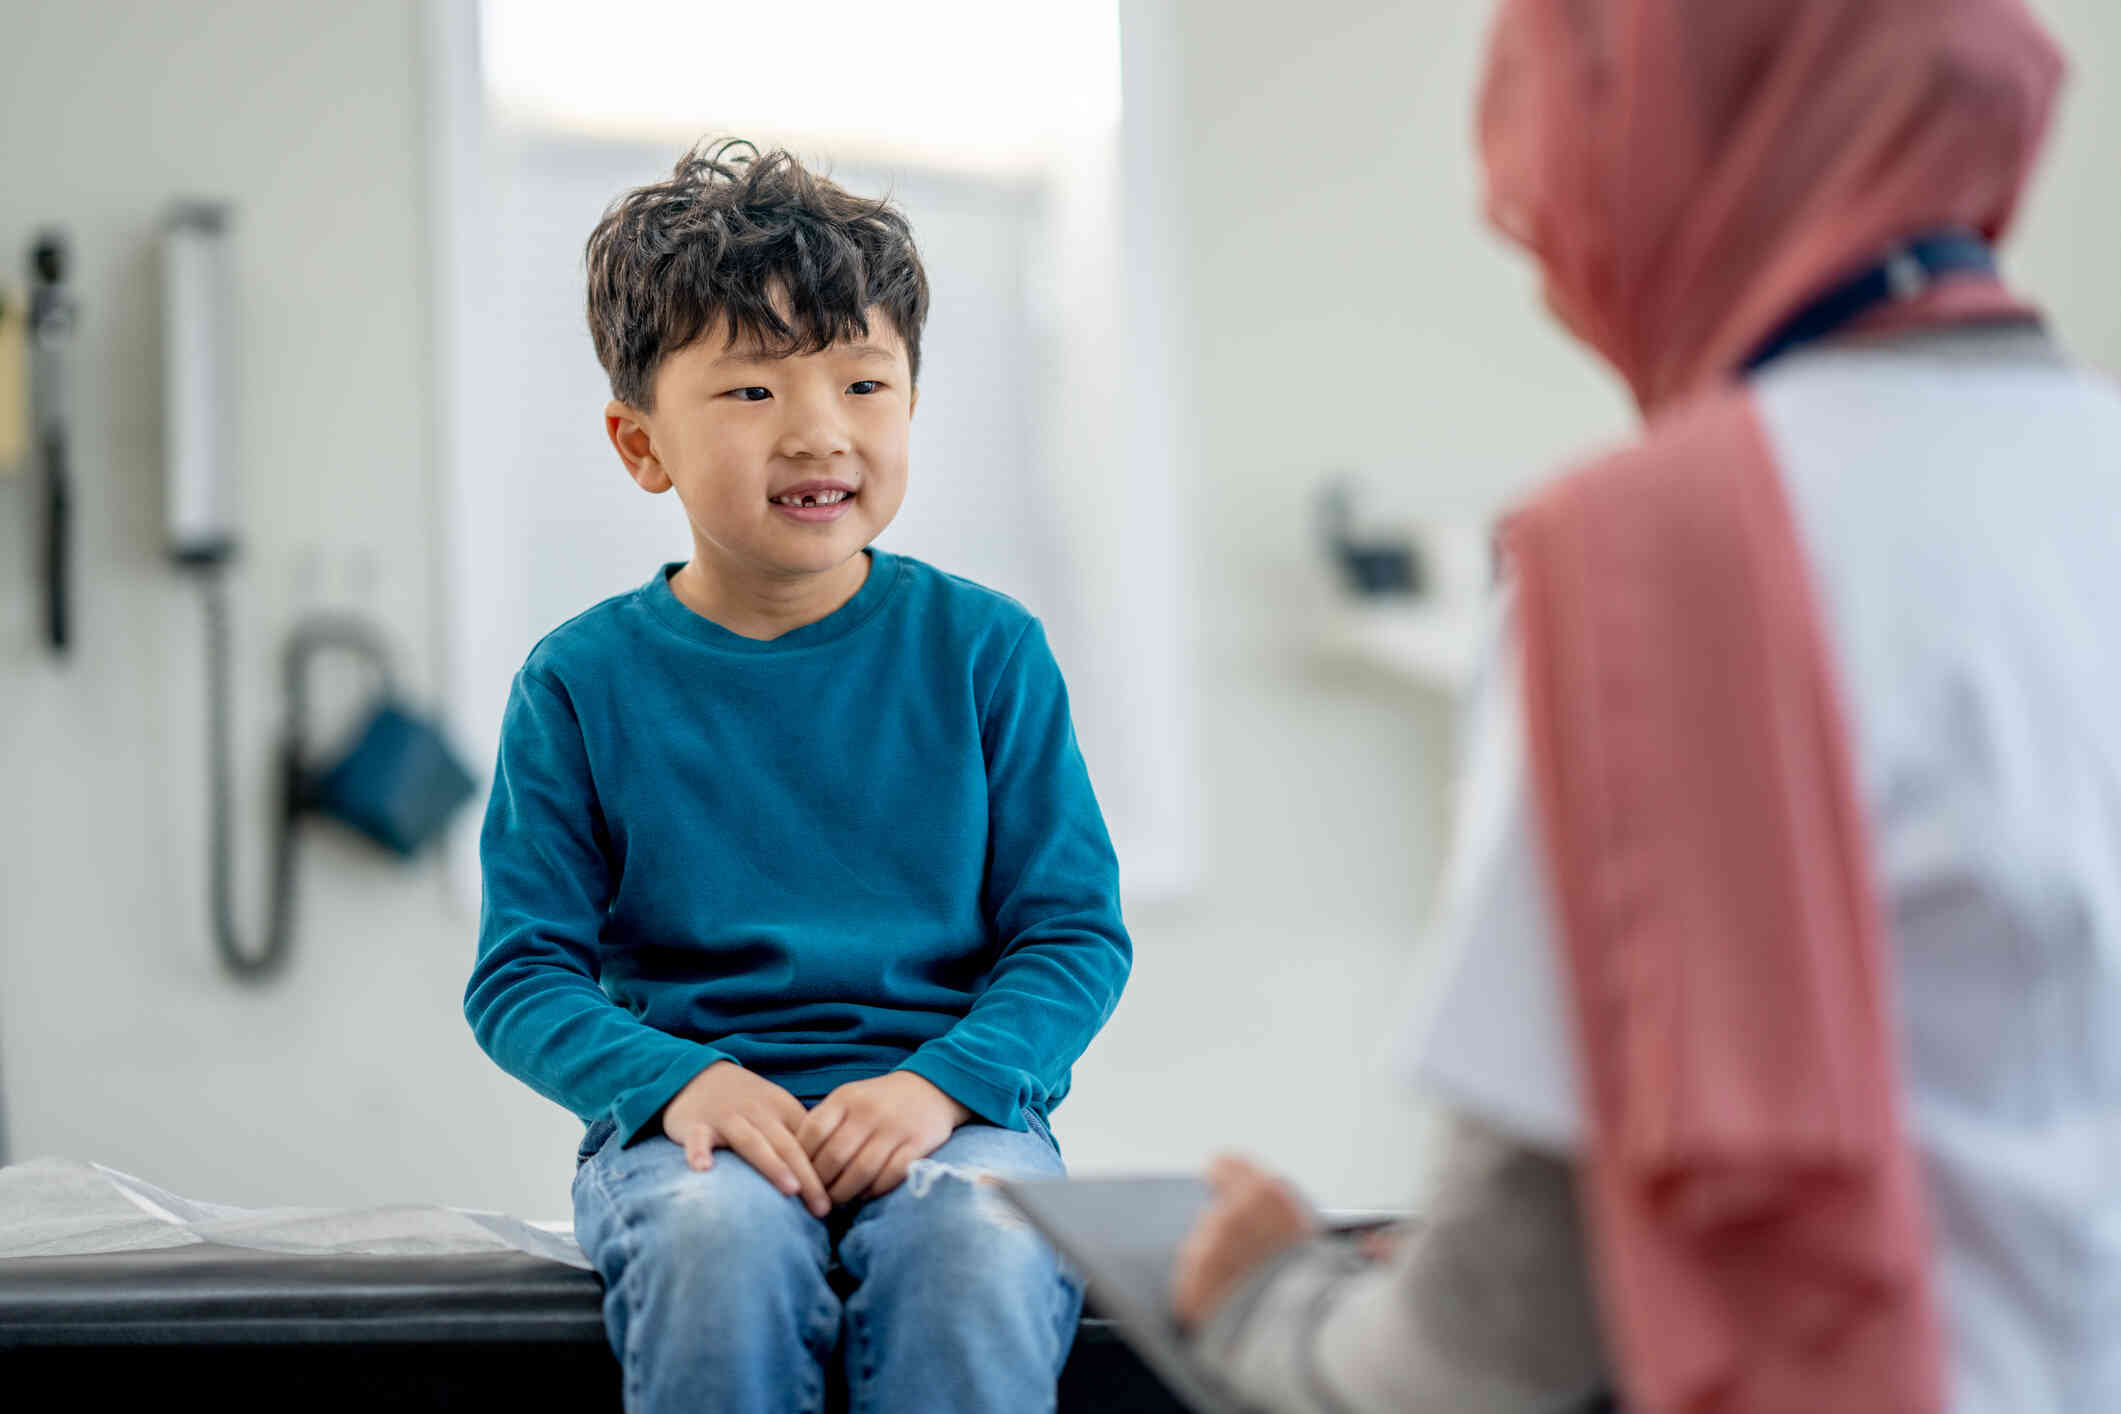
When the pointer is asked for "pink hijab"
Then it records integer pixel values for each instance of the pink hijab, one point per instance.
(1689, 174)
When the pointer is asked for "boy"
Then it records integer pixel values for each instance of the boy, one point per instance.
(796, 890)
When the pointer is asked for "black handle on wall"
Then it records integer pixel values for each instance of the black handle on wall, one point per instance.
(58, 537)
(51, 326)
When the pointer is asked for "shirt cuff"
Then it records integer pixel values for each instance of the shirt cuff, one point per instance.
(638, 1109)
(993, 1103)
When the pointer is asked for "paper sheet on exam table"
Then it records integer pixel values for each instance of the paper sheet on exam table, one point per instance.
(62, 1207)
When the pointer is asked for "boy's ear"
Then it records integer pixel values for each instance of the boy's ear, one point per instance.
(913, 399)
(628, 431)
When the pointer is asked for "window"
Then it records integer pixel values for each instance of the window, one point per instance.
(1048, 449)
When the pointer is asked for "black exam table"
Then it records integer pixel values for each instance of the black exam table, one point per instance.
(239, 1329)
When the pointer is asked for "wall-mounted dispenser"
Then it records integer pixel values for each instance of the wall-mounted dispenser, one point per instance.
(399, 784)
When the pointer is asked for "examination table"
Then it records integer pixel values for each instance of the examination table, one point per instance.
(236, 1328)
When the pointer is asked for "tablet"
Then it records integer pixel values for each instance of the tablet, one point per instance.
(1121, 1236)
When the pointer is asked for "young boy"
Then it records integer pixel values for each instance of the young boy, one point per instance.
(796, 890)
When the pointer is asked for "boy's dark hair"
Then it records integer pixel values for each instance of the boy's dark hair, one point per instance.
(728, 235)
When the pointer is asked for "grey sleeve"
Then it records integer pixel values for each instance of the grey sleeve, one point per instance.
(1485, 1309)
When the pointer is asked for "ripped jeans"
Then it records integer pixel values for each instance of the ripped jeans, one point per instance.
(721, 1293)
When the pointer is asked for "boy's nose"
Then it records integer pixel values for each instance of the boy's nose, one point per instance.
(813, 431)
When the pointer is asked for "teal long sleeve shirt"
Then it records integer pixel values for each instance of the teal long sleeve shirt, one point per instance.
(869, 844)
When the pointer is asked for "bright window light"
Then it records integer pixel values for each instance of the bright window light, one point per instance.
(979, 83)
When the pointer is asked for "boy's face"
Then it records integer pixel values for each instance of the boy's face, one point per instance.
(787, 466)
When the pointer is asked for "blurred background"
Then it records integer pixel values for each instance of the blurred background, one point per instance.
(1225, 379)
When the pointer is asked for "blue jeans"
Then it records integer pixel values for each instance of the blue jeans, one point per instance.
(722, 1294)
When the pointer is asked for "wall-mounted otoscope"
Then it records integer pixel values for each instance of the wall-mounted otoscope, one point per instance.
(399, 783)
(52, 317)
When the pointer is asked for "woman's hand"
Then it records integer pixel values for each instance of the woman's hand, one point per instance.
(728, 1107)
(1254, 1217)
(863, 1137)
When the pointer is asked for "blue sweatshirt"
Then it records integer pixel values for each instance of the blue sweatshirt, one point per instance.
(869, 844)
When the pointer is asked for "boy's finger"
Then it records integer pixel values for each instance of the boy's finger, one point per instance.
(699, 1147)
(862, 1169)
(894, 1172)
(832, 1157)
(807, 1184)
(757, 1150)
(817, 1126)
(787, 1109)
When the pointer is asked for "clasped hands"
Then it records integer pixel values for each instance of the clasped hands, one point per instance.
(863, 1137)
(859, 1140)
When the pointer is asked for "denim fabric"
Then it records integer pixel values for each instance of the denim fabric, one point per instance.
(723, 1293)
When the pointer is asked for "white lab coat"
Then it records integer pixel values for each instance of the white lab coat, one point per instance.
(1958, 498)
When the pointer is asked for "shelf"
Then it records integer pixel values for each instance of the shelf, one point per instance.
(1433, 643)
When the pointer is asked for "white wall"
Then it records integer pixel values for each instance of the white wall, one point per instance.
(1347, 309)
(354, 1078)
(2063, 254)
(1348, 313)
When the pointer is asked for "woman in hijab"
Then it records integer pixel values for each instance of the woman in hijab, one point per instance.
(1779, 992)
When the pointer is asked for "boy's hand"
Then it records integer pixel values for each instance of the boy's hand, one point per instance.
(1254, 1216)
(865, 1135)
(728, 1107)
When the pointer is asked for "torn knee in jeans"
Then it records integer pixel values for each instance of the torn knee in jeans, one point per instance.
(987, 1201)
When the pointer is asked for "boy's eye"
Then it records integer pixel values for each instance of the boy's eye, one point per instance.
(865, 385)
(749, 395)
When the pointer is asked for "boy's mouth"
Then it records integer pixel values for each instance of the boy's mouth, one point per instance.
(814, 500)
